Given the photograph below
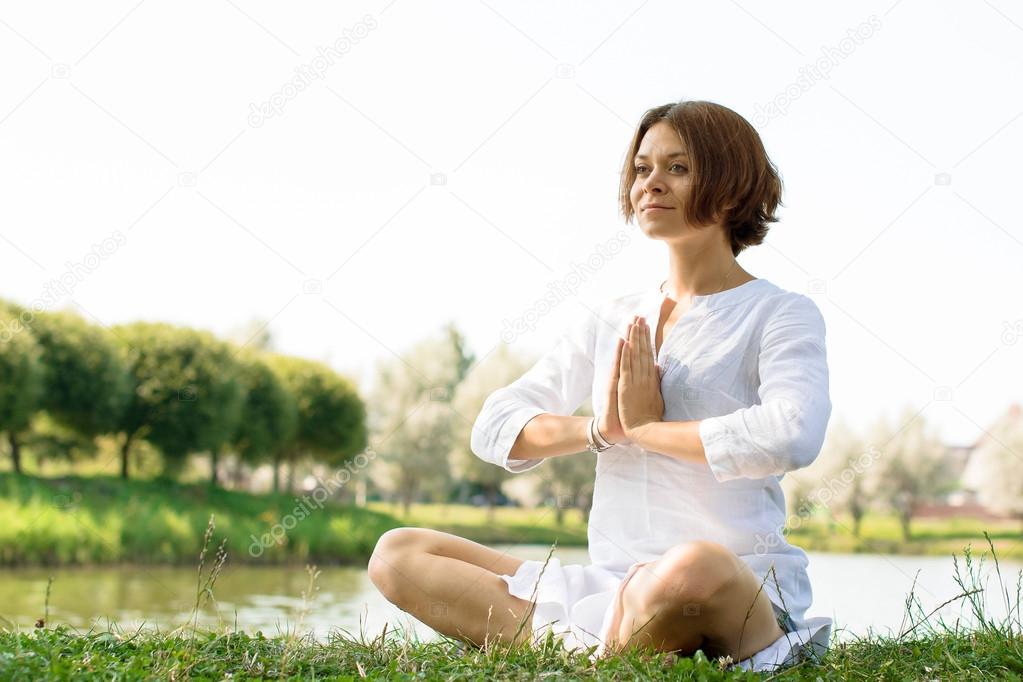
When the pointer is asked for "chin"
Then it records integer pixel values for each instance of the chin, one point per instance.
(656, 230)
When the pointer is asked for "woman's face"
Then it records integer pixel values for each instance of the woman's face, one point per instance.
(663, 177)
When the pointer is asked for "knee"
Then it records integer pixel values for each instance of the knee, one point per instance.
(387, 557)
(688, 577)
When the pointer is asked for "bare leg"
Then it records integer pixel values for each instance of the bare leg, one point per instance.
(698, 595)
(451, 584)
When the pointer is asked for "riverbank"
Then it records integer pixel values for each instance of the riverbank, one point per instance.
(103, 520)
(879, 533)
(923, 647)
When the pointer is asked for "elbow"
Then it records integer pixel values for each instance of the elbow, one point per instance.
(806, 438)
(480, 442)
(482, 438)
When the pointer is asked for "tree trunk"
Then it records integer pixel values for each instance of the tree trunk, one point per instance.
(491, 506)
(408, 486)
(291, 477)
(125, 451)
(559, 514)
(15, 451)
(214, 456)
(856, 517)
(236, 472)
(904, 519)
(277, 473)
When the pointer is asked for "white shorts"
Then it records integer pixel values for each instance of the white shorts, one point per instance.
(578, 604)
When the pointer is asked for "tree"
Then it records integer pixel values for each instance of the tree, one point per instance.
(498, 369)
(838, 478)
(995, 469)
(331, 417)
(911, 467)
(87, 384)
(412, 420)
(569, 479)
(22, 377)
(186, 398)
(269, 416)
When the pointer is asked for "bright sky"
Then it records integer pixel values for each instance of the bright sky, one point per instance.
(452, 161)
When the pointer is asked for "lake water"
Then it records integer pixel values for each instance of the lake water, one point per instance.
(861, 592)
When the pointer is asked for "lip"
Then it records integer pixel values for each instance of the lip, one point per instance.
(656, 208)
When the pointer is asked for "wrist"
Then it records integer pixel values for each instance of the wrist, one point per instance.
(594, 444)
(599, 429)
(636, 433)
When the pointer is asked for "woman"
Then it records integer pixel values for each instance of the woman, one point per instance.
(708, 388)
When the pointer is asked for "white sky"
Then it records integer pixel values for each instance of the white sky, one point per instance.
(131, 121)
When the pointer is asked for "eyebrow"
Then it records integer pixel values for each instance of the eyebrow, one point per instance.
(670, 156)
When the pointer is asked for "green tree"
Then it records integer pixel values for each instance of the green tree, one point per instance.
(22, 377)
(331, 418)
(497, 369)
(911, 467)
(569, 479)
(412, 418)
(838, 480)
(187, 397)
(87, 383)
(269, 417)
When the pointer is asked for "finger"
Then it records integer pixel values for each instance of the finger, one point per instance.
(626, 362)
(616, 370)
(645, 351)
(650, 364)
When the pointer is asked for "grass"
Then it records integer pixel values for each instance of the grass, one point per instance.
(924, 649)
(511, 524)
(879, 533)
(74, 520)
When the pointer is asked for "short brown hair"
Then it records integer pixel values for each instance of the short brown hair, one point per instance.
(733, 175)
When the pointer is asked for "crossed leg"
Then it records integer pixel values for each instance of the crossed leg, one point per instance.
(451, 584)
(698, 595)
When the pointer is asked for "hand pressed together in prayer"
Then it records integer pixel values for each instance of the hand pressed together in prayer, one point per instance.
(634, 392)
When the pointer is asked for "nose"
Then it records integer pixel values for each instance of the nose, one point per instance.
(653, 183)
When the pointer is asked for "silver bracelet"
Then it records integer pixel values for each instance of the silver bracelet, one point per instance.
(598, 437)
(590, 444)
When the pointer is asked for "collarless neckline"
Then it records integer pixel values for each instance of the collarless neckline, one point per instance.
(719, 298)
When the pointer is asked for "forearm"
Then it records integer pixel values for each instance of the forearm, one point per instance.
(672, 438)
(550, 435)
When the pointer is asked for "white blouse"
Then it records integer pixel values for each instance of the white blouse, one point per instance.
(749, 363)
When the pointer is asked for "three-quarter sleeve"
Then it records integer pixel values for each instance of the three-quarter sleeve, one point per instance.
(785, 431)
(558, 383)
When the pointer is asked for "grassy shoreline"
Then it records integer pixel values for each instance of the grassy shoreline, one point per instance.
(104, 520)
(101, 520)
(922, 650)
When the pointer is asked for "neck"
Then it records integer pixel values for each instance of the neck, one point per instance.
(701, 272)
